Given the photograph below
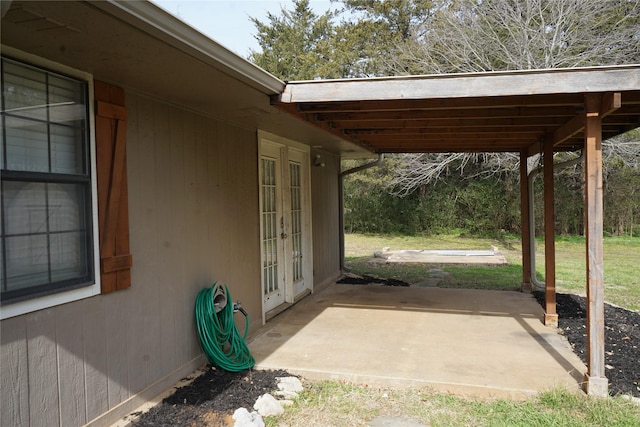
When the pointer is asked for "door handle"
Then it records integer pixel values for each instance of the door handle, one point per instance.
(283, 233)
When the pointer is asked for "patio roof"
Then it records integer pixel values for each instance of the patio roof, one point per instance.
(528, 112)
(483, 112)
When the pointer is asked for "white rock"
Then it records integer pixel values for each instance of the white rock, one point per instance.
(268, 406)
(289, 384)
(286, 402)
(244, 418)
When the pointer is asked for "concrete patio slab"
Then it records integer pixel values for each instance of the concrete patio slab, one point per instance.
(470, 342)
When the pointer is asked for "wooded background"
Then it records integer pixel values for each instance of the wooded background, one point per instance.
(472, 193)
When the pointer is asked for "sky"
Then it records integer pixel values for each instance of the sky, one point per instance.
(227, 22)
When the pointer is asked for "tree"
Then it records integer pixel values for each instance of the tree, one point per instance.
(301, 45)
(491, 35)
(380, 29)
(296, 45)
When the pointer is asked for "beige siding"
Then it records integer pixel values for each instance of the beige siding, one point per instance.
(193, 204)
(14, 373)
(70, 367)
(42, 361)
(324, 189)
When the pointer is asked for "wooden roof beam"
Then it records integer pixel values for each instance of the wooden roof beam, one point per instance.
(611, 101)
(450, 122)
(516, 112)
(554, 100)
(453, 132)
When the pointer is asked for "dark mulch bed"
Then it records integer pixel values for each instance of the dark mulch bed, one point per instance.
(211, 398)
(622, 339)
(371, 280)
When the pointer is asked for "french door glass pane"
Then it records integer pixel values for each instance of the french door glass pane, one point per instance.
(269, 226)
(296, 220)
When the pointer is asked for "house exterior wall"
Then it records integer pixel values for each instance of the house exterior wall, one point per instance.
(193, 202)
(325, 212)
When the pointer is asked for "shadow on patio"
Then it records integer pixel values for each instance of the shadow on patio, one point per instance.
(477, 342)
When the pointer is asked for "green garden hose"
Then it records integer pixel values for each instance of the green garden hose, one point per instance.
(218, 334)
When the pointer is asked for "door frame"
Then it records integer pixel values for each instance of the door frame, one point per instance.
(268, 142)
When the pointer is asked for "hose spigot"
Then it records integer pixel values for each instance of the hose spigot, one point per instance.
(237, 307)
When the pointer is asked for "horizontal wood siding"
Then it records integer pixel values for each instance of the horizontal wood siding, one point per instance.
(324, 189)
(194, 220)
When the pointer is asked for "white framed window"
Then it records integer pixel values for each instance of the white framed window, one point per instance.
(48, 253)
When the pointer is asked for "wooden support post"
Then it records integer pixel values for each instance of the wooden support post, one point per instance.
(596, 382)
(550, 315)
(525, 227)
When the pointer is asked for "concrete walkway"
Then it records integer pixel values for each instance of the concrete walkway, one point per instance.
(469, 342)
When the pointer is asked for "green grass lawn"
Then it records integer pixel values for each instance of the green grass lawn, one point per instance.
(621, 263)
(333, 403)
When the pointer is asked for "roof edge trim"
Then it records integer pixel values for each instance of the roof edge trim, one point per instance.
(473, 74)
(549, 82)
(179, 34)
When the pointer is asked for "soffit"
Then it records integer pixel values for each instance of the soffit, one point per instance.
(139, 46)
(485, 112)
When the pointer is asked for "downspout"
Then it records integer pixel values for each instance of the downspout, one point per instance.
(532, 217)
(377, 162)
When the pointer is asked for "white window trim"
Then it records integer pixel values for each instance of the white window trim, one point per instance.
(39, 303)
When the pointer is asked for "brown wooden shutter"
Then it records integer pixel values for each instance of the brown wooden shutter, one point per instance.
(113, 205)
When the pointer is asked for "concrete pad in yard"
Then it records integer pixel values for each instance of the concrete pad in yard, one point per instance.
(486, 343)
(441, 257)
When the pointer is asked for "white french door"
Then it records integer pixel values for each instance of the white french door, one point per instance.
(285, 226)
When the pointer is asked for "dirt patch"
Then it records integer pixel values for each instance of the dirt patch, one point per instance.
(622, 339)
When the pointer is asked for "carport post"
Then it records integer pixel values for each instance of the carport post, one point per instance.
(550, 314)
(596, 382)
(525, 223)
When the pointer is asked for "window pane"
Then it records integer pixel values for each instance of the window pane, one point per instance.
(66, 100)
(25, 207)
(66, 150)
(68, 256)
(25, 91)
(66, 207)
(27, 146)
(27, 261)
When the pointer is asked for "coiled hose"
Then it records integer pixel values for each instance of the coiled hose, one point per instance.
(218, 334)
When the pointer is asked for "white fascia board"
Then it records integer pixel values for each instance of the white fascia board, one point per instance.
(493, 84)
(180, 35)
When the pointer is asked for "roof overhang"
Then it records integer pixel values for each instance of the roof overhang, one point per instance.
(139, 46)
(481, 112)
